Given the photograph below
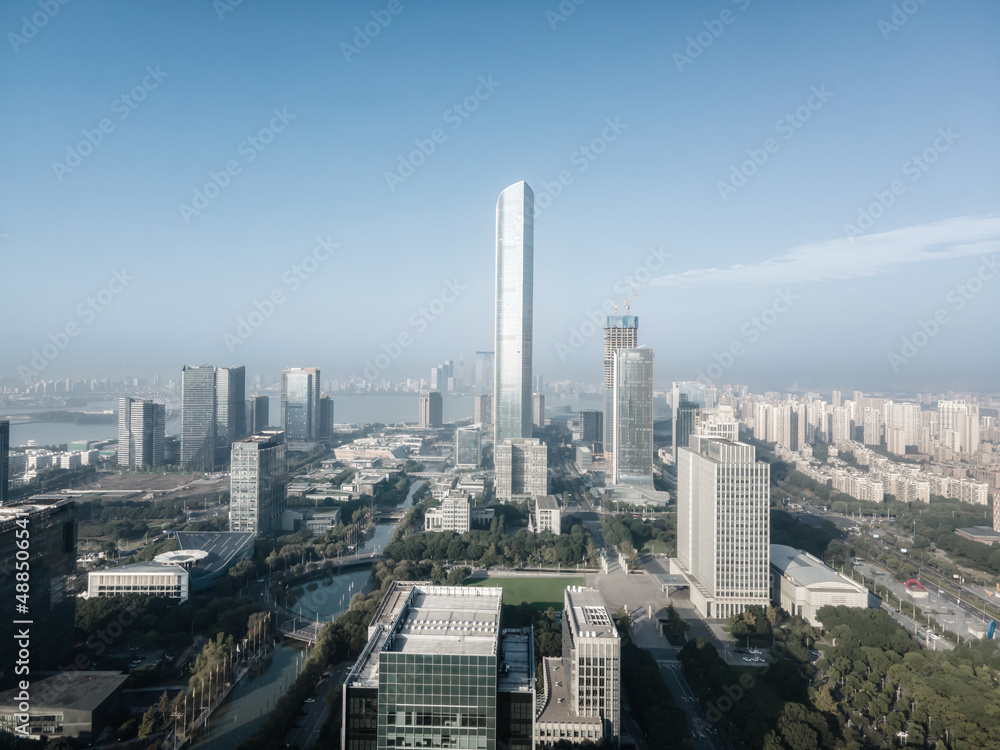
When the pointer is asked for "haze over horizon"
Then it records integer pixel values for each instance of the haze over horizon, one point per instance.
(814, 187)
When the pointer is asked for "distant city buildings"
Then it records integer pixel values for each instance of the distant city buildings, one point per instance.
(723, 525)
(483, 372)
(141, 433)
(258, 413)
(259, 480)
(521, 469)
(468, 447)
(620, 332)
(538, 410)
(483, 411)
(632, 435)
(687, 398)
(431, 409)
(592, 428)
(325, 418)
(300, 397)
(514, 301)
(213, 414)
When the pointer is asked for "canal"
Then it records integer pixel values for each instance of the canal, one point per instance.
(248, 705)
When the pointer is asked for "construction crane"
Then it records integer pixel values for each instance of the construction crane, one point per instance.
(635, 296)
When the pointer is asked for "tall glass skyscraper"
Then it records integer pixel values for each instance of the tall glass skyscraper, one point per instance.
(688, 399)
(632, 458)
(514, 295)
(620, 332)
(213, 414)
(300, 404)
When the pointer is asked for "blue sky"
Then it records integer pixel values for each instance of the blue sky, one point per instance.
(721, 150)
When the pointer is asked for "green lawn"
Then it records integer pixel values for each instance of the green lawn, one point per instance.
(654, 545)
(541, 593)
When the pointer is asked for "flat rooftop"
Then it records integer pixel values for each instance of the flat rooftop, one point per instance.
(76, 690)
(558, 707)
(517, 663)
(223, 547)
(588, 614)
(419, 618)
(549, 502)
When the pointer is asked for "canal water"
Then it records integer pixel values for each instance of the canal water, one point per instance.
(249, 703)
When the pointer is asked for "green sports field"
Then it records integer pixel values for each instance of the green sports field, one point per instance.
(538, 592)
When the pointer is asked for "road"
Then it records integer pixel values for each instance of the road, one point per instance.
(703, 733)
(306, 732)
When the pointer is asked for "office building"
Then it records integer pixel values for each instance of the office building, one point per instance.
(213, 414)
(300, 404)
(514, 300)
(437, 672)
(325, 418)
(258, 413)
(620, 332)
(483, 411)
(538, 410)
(147, 579)
(802, 583)
(468, 447)
(453, 514)
(521, 469)
(548, 516)
(73, 703)
(259, 474)
(632, 436)
(483, 371)
(431, 409)
(592, 655)
(141, 433)
(592, 428)
(4, 460)
(723, 532)
(51, 526)
(688, 398)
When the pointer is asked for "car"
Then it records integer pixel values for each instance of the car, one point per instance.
(739, 651)
(310, 700)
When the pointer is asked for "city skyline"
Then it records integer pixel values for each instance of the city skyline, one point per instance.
(851, 187)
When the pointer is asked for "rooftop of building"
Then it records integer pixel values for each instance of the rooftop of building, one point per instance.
(548, 502)
(517, 661)
(981, 533)
(558, 706)
(420, 618)
(266, 437)
(223, 548)
(140, 568)
(35, 504)
(807, 570)
(76, 690)
(588, 614)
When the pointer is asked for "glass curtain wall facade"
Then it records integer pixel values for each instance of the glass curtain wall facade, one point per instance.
(633, 417)
(688, 398)
(620, 332)
(300, 404)
(514, 295)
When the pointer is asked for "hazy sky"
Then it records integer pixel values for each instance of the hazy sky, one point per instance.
(346, 158)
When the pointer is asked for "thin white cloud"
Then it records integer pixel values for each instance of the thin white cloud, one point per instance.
(865, 256)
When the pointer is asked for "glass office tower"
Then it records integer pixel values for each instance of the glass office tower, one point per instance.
(514, 293)
(688, 398)
(632, 456)
(300, 404)
(620, 332)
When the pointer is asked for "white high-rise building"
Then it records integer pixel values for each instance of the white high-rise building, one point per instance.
(632, 455)
(259, 481)
(538, 410)
(515, 249)
(522, 467)
(594, 646)
(141, 433)
(723, 525)
(620, 332)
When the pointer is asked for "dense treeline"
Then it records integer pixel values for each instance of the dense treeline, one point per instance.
(878, 678)
(627, 533)
(786, 529)
(495, 547)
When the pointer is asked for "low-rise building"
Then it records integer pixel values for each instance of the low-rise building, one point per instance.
(801, 584)
(548, 515)
(68, 704)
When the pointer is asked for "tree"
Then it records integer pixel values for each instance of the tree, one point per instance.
(148, 724)
(623, 620)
